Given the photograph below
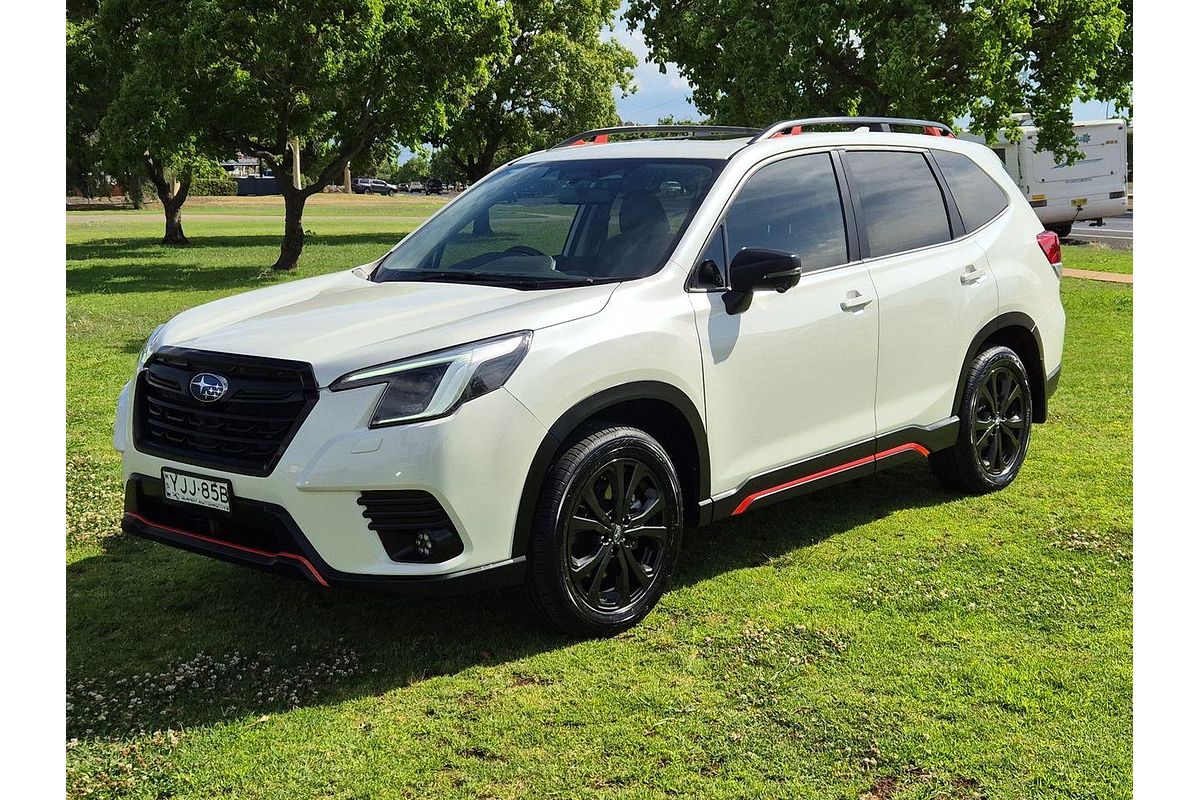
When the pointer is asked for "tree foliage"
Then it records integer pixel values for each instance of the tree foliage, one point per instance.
(556, 78)
(339, 76)
(754, 63)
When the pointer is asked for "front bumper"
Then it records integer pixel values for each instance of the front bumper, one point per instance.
(474, 462)
(265, 536)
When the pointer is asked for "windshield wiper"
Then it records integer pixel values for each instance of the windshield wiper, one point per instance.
(497, 278)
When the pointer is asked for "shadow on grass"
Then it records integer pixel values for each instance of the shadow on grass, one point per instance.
(146, 265)
(141, 606)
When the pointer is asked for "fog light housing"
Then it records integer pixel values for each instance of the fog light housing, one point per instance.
(412, 526)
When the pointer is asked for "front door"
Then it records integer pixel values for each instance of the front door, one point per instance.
(794, 375)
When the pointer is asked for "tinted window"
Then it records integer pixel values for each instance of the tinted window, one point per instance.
(791, 205)
(558, 222)
(901, 201)
(714, 252)
(977, 196)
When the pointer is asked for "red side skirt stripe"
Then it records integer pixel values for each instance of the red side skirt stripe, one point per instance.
(825, 473)
(255, 551)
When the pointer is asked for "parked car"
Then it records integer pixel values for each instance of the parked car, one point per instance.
(372, 186)
(433, 186)
(548, 401)
(414, 187)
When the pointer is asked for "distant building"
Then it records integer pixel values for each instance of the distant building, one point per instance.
(242, 166)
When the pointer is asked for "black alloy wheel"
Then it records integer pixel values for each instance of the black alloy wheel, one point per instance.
(615, 536)
(606, 533)
(995, 424)
(1001, 420)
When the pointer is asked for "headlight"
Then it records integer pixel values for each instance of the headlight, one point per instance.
(435, 384)
(151, 345)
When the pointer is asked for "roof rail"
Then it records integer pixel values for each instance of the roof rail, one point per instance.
(600, 135)
(883, 124)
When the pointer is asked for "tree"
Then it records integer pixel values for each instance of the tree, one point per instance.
(556, 78)
(754, 63)
(125, 115)
(416, 168)
(336, 76)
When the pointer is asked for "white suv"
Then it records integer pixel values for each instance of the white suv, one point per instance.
(599, 346)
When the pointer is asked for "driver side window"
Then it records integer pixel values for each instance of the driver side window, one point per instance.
(791, 205)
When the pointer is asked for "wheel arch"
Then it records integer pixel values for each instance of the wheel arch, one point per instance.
(1018, 331)
(662, 410)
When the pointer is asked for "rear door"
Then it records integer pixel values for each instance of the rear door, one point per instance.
(935, 288)
(794, 375)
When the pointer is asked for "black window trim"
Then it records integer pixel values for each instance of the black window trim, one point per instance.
(849, 218)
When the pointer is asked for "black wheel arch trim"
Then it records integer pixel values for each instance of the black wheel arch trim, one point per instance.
(584, 410)
(1038, 379)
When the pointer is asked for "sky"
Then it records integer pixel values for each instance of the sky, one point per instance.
(660, 95)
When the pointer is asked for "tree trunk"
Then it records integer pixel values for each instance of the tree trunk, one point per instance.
(174, 231)
(293, 228)
(172, 200)
(483, 222)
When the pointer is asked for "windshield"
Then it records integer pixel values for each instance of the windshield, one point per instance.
(556, 224)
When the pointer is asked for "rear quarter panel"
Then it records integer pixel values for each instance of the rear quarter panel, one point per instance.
(1025, 281)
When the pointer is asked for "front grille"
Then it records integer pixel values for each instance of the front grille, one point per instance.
(245, 431)
(411, 525)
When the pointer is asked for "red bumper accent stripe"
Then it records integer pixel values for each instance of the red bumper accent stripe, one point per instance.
(825, 473)
(221, 542)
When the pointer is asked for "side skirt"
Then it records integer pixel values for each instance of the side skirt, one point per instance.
(829, 469)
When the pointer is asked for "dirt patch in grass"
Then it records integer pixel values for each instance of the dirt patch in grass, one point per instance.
(914, 782)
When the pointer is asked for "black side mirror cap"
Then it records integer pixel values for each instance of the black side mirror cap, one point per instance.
(756, 268)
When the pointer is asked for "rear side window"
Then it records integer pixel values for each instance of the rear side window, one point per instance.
(791, 205)
(901, 200)
(978, 197)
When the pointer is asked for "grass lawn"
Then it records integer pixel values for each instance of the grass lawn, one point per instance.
(1097, 257)
(881, 639)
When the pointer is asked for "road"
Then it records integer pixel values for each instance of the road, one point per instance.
(1117, 232)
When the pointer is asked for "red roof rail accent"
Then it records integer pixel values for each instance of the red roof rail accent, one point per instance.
(795, 130)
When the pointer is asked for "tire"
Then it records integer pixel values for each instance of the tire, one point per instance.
(589, 540)
(1063, 229)
(996, 419)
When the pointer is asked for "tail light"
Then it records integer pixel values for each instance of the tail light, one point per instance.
(1048, 241)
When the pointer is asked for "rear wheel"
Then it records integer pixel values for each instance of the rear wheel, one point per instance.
(995, 422)
(606, 534)
(1063, 229)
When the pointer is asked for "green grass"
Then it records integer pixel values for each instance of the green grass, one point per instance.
(1098, 257)
(882, 638)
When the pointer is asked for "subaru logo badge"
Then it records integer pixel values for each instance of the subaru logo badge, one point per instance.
(208, 388)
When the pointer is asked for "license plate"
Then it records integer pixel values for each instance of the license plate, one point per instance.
(1079, 201)
(197, 490)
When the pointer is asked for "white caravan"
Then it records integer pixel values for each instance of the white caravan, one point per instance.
(1061, 194)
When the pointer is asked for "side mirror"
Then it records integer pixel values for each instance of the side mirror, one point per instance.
(758, 268)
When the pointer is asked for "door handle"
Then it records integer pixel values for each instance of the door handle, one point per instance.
(855, 300)
(972, 274)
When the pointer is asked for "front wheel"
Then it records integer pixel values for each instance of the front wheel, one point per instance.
(995, 422)
(606, 534)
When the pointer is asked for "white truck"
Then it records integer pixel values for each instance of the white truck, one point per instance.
(1062, 194)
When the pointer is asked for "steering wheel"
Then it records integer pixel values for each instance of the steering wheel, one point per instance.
(525, 250)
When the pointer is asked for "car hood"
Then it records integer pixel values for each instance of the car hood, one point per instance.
(342, 322)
